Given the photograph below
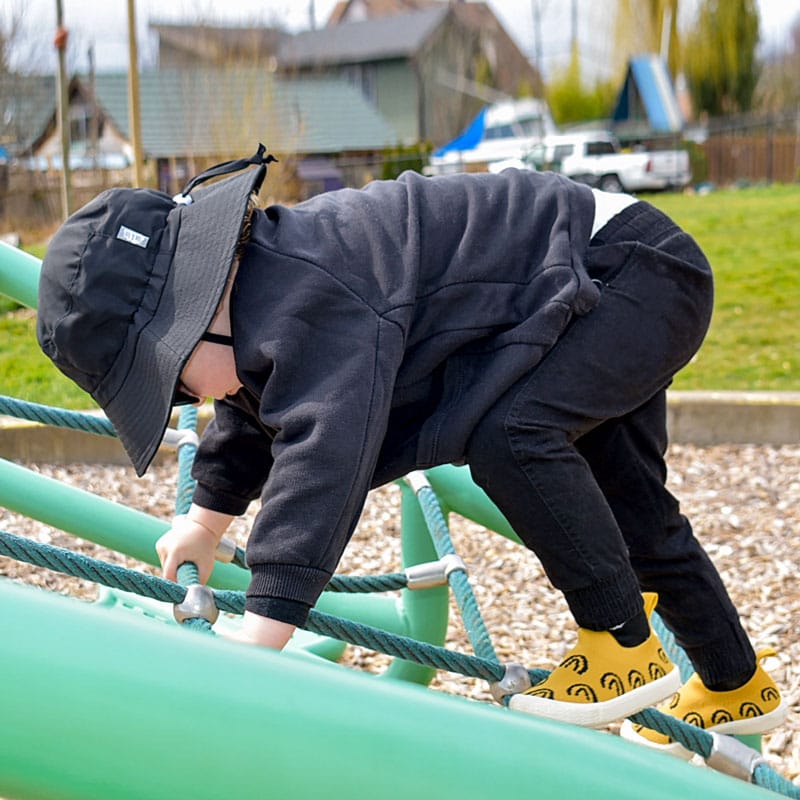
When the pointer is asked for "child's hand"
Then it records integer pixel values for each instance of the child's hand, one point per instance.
(188, 540)
(262, 631)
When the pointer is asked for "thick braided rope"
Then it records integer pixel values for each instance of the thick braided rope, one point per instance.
(767, 778)
(355, 584)
(187, 421)
(459, 582)
(404, 647)
(676, 653)
(691, 737)
(187, 573)
(56, 417)
(78, 565)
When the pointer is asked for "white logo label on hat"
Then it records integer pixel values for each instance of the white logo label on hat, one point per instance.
(132, 236)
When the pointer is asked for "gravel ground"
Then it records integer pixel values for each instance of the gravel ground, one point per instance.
(744, 502)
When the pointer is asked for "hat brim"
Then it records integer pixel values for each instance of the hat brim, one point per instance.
(206, 235)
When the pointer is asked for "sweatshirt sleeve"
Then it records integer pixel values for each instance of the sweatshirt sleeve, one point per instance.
(323, 362)
(233, 459)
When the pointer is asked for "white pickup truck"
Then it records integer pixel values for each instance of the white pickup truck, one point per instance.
(595, 158)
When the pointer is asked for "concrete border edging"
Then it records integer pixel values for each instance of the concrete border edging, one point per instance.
(700, 418)
(708, 418)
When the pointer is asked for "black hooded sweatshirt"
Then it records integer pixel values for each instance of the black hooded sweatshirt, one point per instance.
(372, 329)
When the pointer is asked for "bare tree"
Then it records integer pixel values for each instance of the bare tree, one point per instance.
(778, 89)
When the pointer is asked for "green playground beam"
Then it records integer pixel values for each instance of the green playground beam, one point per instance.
(112, 711)
(458, 493)
(19, 275)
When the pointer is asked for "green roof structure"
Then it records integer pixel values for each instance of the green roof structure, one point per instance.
(209, 112)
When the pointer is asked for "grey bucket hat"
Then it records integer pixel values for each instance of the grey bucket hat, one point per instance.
(129, 284)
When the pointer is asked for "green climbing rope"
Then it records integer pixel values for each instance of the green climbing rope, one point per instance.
(458, 580)
(56, 417)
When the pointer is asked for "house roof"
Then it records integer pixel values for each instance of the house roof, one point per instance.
(207, 112)
(648, 96)
(28, 103)
(378, 8)
(371, 40)
(220, 44)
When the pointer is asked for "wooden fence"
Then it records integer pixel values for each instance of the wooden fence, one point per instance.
(30, 200)
(732, 157)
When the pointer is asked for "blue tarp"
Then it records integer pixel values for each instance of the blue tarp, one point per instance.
(648, 95)
(469, 139)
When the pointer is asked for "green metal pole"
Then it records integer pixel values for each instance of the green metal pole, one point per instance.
(19, 275)
(99, 709)
(458, 492)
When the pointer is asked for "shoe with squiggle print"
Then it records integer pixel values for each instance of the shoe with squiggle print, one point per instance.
(757, 707)
(601, 681)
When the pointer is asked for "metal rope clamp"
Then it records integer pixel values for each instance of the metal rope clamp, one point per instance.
(226, 550)
(197, 604)
(433, 573)
(734, 758)
(180, 438)
(515, 680)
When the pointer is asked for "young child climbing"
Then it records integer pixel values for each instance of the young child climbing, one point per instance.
(520, 323)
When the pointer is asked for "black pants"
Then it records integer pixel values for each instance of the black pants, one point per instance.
(573, 453)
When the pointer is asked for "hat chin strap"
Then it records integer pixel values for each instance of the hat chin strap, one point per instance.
(226, 167)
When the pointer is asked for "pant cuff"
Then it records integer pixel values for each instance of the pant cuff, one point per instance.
(606, 603)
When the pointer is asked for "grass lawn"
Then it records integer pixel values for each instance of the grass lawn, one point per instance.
(752, 239)
(751, 236)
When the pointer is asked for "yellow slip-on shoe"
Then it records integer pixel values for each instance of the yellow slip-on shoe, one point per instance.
(601, 681)
(756, 707)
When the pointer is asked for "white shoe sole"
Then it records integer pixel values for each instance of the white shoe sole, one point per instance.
(741, 727)
(597, 715)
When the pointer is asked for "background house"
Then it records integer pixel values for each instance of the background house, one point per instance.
(647, 106)
(427, 72)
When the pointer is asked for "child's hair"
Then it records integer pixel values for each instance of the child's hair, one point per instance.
(247, 228)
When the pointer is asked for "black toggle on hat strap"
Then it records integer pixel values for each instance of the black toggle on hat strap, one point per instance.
(235, 165)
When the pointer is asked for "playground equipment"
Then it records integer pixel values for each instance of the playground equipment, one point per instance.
(115, 699)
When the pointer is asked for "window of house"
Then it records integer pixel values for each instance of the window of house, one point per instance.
(80, 125)
(364, 77)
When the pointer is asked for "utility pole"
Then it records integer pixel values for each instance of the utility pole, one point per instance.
(134, 120)
(60, 43)
(538, 54)
(94, 123)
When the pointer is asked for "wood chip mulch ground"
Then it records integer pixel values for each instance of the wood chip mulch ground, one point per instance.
(744, 502)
